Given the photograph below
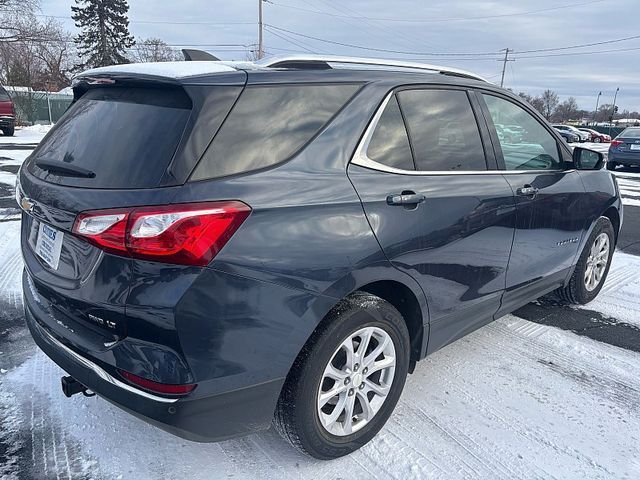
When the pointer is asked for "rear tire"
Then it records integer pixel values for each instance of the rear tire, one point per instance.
(8, 132)
(304, 415)
(611, 165)
(583, 288)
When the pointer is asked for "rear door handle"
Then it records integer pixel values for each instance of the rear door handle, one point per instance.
(406, 199)
(527, 190)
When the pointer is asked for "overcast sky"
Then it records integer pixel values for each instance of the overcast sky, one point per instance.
(423, 28)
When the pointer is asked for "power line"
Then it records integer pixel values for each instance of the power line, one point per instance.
(438, 20)
(555, 49)
(597, 52)
(385, 50)
(293, 42)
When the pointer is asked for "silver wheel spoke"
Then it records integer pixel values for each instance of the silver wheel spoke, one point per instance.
(367, 410)
(597, 262)
(350, 376)
(334, 392)
(339, 408)
(348, 414)
(382, 390)
(369, 359)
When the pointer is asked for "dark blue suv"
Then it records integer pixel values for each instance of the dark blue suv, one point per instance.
(217, 247)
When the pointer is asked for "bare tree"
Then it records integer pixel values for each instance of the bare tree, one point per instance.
(567, 110)
(154, 50)
(549, 103)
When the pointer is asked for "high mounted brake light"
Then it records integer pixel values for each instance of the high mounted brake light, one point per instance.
(187, 234)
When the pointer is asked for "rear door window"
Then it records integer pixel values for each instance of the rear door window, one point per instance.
(389, 144)
(443, 130)
(125, 136)
(270, 124)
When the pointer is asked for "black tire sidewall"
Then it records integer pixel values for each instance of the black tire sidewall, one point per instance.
(314, 439)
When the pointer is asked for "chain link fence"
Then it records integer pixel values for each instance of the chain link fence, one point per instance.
(33, 107)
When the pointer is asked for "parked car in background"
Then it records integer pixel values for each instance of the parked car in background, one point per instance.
(7, 113)
(213, 245)
(595, 136)
(582, 136)
(568, 135)
(625, 149)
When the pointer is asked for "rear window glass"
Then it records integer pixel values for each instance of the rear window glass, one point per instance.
(630, 133)
(4, 96)
(270, 124)
(125, 136)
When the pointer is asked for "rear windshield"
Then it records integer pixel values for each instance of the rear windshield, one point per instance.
(125, 136)
(630, 133)
(4, 96)
(270, 124)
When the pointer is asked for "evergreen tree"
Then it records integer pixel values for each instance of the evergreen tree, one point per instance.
(105, 31)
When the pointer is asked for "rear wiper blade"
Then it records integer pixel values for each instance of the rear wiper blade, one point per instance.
(66, 169)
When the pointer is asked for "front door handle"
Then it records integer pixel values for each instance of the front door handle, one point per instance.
(527, 190)
(406, 199)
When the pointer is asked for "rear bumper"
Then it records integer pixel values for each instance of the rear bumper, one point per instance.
(627, 159)
(7, 121)
(197, 418)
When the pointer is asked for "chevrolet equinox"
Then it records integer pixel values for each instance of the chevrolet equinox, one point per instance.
(217, 247)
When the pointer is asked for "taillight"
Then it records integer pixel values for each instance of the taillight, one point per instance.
(615, 143)
(188, 234)
(165, 388)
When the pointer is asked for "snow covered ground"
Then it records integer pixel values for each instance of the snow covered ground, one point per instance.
(26, 135)
(513, 400)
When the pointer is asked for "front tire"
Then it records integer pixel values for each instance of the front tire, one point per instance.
(597, 140)
(347, 380)
(592, 267)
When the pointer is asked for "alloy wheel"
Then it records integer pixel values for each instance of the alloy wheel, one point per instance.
(597, 262)
(356, 381)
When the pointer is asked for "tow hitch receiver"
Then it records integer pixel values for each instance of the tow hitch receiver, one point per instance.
(70, 386)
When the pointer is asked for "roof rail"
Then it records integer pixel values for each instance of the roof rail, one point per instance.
(324, 61)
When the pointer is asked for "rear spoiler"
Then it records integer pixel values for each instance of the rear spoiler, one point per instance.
(192, 55)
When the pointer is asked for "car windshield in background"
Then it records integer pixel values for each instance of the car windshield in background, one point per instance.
(631, 133)
(132, 130)
(4, 96)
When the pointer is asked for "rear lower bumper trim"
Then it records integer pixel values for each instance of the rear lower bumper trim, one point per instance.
(102, 373)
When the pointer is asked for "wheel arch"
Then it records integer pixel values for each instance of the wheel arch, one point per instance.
(614, 217)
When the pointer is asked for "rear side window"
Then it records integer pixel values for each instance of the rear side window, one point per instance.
(531, 146)
(443, 130)
(4, 96)
(125, 136)
(389, 144)
(268, 125)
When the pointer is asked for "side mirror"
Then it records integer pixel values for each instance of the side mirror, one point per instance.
(585, 159)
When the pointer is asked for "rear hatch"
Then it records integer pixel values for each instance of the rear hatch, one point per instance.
(628, 142)
(123, 143)
(6, 105)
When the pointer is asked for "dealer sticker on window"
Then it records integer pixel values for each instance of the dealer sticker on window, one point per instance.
(49, 245)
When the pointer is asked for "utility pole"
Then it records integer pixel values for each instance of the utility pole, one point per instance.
(504, 65)
(613, 109)
(260, 28)
(595, 113)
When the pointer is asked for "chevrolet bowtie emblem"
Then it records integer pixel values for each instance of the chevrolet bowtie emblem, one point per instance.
(26, 204)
